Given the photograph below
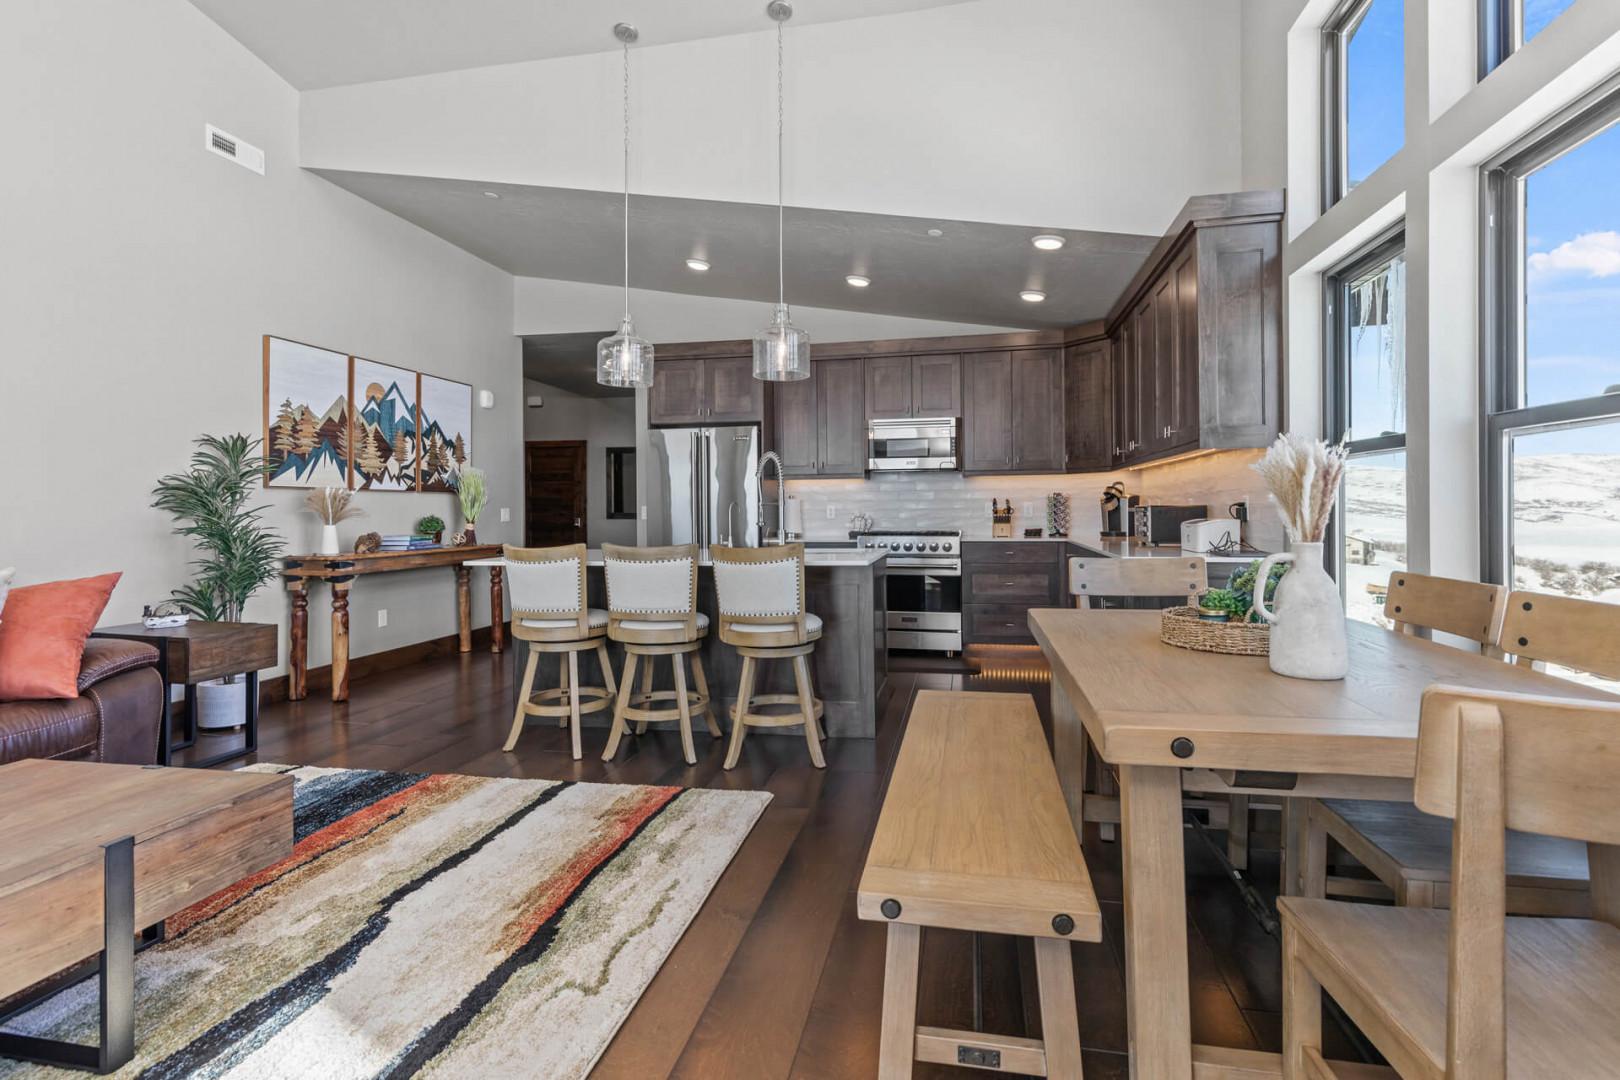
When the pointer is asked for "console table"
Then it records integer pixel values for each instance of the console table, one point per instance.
(339, 571)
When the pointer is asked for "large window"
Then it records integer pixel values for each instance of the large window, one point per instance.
(1367, 410)
(1364, 66)
(1552, 418)
(1507, 24)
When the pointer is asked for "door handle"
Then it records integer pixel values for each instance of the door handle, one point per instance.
(576, 523)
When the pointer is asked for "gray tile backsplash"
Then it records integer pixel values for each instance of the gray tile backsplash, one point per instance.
(951, 500)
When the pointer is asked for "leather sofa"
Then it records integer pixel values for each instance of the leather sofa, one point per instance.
(115, 717)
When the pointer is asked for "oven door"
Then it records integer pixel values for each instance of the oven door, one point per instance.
(924, 597)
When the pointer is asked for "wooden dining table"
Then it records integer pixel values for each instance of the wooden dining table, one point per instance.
(1162, 715)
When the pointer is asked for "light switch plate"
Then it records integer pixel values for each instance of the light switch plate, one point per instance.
(382, 616)
(506, 513)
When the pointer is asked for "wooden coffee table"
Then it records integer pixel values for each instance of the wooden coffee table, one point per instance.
(94, 851)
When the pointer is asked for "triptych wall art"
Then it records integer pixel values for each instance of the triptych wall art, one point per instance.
(332, 420)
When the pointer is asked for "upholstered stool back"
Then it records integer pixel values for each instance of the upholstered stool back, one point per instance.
(548, 588)
(759, 588)
(652, 590)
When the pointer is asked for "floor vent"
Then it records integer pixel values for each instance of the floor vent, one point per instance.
(227, 145)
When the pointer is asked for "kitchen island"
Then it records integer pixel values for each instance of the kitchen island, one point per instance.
(849, 667)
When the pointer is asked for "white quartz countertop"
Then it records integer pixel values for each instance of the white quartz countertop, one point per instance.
(813, 557)
(1115, 548)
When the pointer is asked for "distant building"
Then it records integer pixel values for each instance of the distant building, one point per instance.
(1358, 550)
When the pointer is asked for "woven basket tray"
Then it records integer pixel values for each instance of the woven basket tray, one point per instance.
(1181, 627)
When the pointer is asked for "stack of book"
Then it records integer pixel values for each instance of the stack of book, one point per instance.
(407, 542)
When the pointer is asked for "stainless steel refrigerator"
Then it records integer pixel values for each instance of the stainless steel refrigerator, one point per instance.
(701, 486)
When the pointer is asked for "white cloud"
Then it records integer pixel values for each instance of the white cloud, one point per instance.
(1596, 254)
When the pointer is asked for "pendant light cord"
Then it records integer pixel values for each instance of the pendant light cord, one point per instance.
(781, 273)
(626, 181)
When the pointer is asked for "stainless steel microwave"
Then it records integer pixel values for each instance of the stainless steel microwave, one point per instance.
(915, 445)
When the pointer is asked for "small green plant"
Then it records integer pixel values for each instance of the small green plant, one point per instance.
(470, 491)
(1224, 600)
(1237, 599)
(239, 554)
(431, 525)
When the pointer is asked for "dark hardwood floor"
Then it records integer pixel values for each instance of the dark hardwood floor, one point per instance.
(777, 977)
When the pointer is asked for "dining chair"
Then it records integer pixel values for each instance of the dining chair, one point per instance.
(652, 612)
(1472, 993)
(1409, 852)
(1093, 580)
(550, 613)
(762, 616)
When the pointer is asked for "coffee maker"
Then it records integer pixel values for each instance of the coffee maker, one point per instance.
(1116, 511)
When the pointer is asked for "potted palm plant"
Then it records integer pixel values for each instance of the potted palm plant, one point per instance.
(237, 553)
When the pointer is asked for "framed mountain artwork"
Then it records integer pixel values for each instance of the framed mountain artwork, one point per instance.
(446, 415)
(306, 415)
(382, 428)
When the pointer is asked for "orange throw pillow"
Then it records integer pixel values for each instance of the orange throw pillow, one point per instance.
(42, 634)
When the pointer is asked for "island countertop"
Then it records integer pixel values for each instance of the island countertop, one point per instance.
(812, 557)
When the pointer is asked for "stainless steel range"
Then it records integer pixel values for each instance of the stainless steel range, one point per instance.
(924, 588)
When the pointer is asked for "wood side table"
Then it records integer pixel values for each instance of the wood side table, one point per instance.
(104, 849)
(197, 652)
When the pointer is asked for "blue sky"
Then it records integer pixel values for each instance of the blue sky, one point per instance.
(1572, 231)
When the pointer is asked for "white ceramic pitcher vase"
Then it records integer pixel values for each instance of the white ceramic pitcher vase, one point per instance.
(1307, 627)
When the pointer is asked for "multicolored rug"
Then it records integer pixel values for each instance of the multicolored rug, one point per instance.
(429, 925)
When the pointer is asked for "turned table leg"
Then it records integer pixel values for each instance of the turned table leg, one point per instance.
(464, 607)
(340, 641)
(497, 610)
(298, 644)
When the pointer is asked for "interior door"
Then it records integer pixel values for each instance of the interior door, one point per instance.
(554, 493)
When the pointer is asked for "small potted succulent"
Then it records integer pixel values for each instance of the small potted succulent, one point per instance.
(431, 525)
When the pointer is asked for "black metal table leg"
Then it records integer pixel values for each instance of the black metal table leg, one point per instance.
(117, 979)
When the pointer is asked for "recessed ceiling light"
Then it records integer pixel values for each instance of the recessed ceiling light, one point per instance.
(1048, 242)
(859, 281)
(1032, 296)
(936, 232)
(491, 195)
(700, 265)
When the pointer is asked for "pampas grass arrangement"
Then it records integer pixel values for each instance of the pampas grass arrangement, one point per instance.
(331, 505)
(1304, 476)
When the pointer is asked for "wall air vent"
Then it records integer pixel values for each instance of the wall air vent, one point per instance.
(227, 145)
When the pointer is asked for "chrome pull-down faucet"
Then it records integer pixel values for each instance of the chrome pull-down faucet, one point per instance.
(781, 498)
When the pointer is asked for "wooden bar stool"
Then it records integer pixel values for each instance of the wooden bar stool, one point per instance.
(762, 616)
(652, 612)
(549, 611)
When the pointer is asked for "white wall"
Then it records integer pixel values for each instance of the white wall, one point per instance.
(548, 306)
(601, 423)
(141, 271)
(1265, 25)
(1069, 113)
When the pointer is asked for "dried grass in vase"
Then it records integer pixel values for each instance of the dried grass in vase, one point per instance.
(332, 505)
(1303, 475)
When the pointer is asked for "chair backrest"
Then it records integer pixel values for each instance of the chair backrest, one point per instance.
(652, 583)
(1563, 630)
(548, 583)
(763, 585)
(1467, 609)
(1494, 761)
(1165, 577)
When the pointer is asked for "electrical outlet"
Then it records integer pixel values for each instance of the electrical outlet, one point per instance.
(1029, 509)
(643, 513)
(832, 511)
(1242, 509)
(382, 616)
(506, 513)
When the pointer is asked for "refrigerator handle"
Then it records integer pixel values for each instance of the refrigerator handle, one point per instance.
(697, 489)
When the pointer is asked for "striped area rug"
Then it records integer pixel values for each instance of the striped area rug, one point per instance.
(431, 925)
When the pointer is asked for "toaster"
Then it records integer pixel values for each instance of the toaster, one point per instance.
(1161, 523)
(1211, 536)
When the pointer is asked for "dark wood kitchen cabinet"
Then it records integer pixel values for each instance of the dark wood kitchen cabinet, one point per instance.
(1013, 411)
(705, 390)
(904, 387)
(1088, 422)
(819, 423)
(1001, 581)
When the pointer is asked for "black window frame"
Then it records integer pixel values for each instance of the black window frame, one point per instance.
(1340, 26)
(1504, 414)
(1383, 249)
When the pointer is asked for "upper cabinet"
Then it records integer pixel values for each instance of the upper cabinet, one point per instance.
(705, 390)
(819, 423)
(1196, 342)
(903, 387)
(1089, 406)
(1013, 411)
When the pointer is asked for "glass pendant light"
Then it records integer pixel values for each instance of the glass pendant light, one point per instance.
(625, 359)
(781, 350)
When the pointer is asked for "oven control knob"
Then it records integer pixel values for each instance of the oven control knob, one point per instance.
(933, 547)
(947, 545)
(906, 546)
(883, 544)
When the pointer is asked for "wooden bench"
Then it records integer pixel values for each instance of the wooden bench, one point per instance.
(974, 835)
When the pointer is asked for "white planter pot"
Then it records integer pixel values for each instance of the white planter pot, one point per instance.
(221, 704)
(1308, 636)
(329, 541)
